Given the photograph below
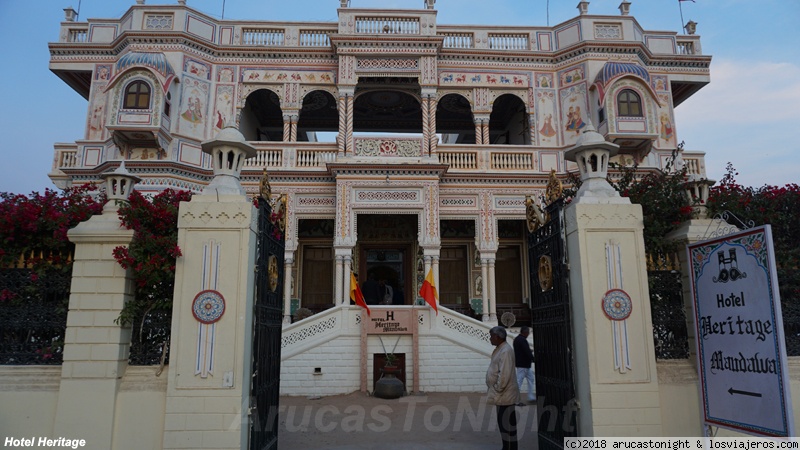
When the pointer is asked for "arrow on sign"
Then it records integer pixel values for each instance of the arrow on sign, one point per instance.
(736, 391)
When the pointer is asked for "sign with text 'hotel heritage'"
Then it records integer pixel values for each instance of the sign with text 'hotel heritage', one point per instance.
(740, 345)
(390, 321)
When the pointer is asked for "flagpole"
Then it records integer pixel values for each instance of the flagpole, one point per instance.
(680, 6)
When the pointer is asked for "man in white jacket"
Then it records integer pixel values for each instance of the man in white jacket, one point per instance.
(503, 388)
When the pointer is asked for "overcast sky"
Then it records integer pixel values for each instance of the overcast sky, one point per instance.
(746, 115)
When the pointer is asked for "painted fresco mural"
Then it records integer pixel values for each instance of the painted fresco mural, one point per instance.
(226, 74)
(483, 79)
(223, 107)
(196, 68)
(193, 109)
(666, 129)
(95, 124)
(574, 107)
(252, 75)
(547, 116)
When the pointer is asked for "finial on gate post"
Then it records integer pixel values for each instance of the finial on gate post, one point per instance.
(554, 188)
(264, 189)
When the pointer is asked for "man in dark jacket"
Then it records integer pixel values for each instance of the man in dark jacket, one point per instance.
(524, 359)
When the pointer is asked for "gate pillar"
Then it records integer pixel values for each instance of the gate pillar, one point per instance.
(614, 357)
(210, 369)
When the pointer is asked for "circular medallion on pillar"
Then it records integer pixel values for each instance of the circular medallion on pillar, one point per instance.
(617, 304)
(208, 306)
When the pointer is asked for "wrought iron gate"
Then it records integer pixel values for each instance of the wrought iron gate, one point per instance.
(267, 322)
(552, 330)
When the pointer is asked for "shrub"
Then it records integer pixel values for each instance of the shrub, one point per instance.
(152, 252)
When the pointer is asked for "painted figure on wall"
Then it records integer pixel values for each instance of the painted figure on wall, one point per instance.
(574, 120)
(194, 110)
(547, 128)
(666, 128)
(96, 123)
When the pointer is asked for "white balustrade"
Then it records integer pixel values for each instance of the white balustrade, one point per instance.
(459, 160)
(265, 158)
(693, 166)
(508, 41)
(255, 36)
(314, 38)
(78, 35)
(512, 161)
(686, 48)
(457, 40)
(313, 158)
(389, 25)
(67, 158)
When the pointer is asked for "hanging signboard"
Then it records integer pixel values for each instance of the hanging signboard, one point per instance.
(739, 331)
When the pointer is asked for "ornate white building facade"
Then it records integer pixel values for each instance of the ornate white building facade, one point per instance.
(471, 120)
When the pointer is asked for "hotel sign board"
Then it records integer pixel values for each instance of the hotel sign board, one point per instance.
(390, 321)
(744, 378)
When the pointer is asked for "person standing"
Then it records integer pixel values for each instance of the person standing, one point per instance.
(371, 290)
(503, 388)
(524, 358)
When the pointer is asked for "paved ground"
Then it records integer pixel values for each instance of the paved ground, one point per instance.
(427, 421)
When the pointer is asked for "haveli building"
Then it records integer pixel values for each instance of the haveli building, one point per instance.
(471, 120)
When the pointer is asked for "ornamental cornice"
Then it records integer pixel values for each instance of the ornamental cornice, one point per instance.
(339, 169)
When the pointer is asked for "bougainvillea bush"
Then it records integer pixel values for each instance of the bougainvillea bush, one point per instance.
(153, 251)
(33, 234)
(778, 206)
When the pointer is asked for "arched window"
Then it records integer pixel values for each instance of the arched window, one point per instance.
(629, 104)
(137, 96)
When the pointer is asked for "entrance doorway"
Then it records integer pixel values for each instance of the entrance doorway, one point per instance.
(384, 266)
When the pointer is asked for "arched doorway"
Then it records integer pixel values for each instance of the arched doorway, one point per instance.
(261, 119)
(508, 123)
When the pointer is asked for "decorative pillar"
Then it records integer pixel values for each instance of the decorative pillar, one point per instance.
(485, 130)
(209, 375)
(689, 232)
(341, 138)
(288, 262)
(478, 131)
(293, 130)
(613, 350)
(339, 300)
(348, 260)
(290, 127)
(426, 126)
(435, 267)
(492, 293)
(95, 348)
(532, 128)
(485, 292)
(434, 138)
(350, 145)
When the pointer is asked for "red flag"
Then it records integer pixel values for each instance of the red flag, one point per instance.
(355, 293)
(428, 291)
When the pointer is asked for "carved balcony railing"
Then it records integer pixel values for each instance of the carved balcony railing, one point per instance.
(387, 25)
(78, 35)
(688, 45)
(262, 36)
(512, 161)
(66, 158)
(305, 155)
(458, 40)
(695, 163)
(314, 38)
(508, 41)
(459, 159)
